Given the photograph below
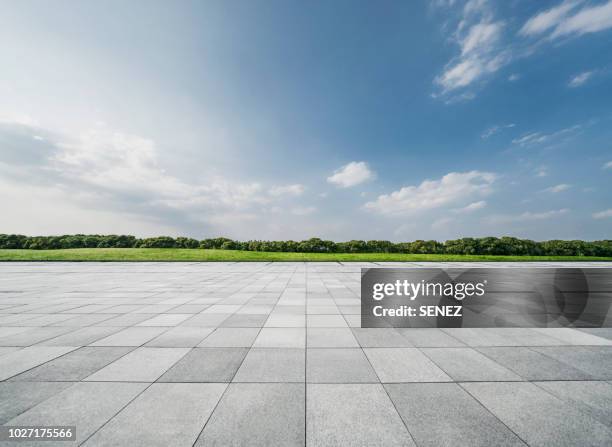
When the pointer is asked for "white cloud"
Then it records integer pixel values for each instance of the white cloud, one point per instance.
(607, 165)
(474, 206)
(450, 189)
(514, 77)
(352, 174)
(495, 129)
(548, 19)
(565, 20)
(558, 188)
(442, 223)
(528, 216)
(535, 138)
(287, 190)
(588, 20)
(580, 79)
(603, 214)
(541, 172)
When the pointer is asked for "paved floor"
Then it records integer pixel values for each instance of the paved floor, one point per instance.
(186, 354)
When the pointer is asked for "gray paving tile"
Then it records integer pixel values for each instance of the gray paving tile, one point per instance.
(257, 414)
(75, 365)
(272, 365)
(231, 337)
(443, 414)
(592, 398)
(84, 405)
(181, 337)
(24, 359)
(380, 338)
(33, 336)
(537, 417)
(281, 338)
(352, 414)
(338, 365)
(594, 360)
(245, 320)
(206, 365)
(575, 337)
(404, 365)
(430, 338)
(140, 365)
(165, 320)
(17, 397)
(132, 336)
(166, 414)
(325, 321)
(467, 364)
(533, 365)
(331, 338)
(81, 337)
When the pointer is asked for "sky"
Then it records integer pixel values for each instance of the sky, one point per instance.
(279, 119)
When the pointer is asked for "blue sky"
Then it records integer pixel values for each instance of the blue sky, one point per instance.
(287, 120)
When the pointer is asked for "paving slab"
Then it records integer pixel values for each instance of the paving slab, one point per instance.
(231, 337)
(443, 414)
(166, 414)
(593, 360)
(140, 365)
(533, 365)
(592, 398)
(380, 338)
(257, 414)
(331, 338)
(338, 365)
(75, 365)
(352, 414)
(87, 406)
(133, 336)
(271, 337)
(538, 417)
(180, 337)
(206, 365)
(24, 359)
(17, 397)
(429, 338)
(272, 365)
(404, 365)
(467, 364)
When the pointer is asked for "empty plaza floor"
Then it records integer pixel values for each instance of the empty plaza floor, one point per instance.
(272, 354)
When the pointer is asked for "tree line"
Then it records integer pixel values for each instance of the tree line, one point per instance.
(463, 246)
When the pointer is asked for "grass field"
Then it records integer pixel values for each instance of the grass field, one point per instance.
(177, 254)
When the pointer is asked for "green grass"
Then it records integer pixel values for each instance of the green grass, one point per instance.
(178, 254)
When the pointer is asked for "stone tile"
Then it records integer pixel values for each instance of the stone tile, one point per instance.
(331, 338)
(533, 365)
(352, 414)
(213, 320)
(181, 337)
(17, 397)
(429, 338)
(272, 365)
(33, 336)
(467, 364)
(380, 338)
(575, 337)
(17, 362)
(206, 365)
(125, 320)
(245, 320)
(594, 360)
(326, 321)
(592, 398)
(75, 365)
(132, 336)
(84, 405)
(537, 417)
(281, 338)
(443, 414)
(140, 365)
(81, 337)
(257, 414)
(165, 320)
(338, 365)
(286, 320)
(404, 365)
(166, 414)
(231, 337)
